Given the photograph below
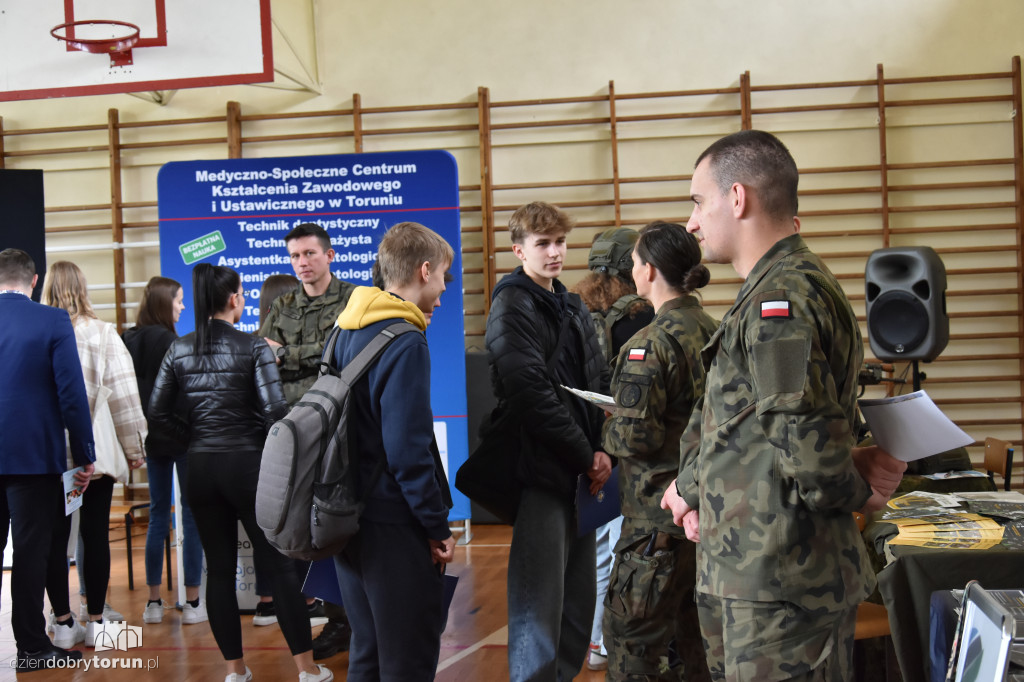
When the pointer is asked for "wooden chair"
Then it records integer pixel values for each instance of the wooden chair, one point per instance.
(999, 460)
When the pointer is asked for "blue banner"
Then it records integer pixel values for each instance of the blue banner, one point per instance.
(236, 212)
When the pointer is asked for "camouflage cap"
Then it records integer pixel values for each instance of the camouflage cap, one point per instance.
(612, 252)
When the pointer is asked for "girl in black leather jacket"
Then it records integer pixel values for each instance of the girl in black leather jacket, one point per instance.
(231, 390)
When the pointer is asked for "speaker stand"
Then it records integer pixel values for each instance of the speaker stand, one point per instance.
(918, 376)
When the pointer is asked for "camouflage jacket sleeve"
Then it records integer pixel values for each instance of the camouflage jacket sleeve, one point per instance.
(793, 365)
(639, 384)
(687, 483)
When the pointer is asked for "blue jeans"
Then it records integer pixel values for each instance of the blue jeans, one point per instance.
(160, 498)
(551, 588)
(606, 538)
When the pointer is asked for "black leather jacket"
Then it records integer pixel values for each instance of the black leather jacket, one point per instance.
(232, 395)
(561, 432)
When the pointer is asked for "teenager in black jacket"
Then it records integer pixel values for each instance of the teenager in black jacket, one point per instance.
(551, 583)
(232, 394)
(154, 332)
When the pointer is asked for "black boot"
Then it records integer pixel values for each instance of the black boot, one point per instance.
(332, 640)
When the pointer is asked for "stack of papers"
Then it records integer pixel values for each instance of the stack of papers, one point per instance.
(952, 531)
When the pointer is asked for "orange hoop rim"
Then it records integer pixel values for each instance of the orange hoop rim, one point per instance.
(98, 45)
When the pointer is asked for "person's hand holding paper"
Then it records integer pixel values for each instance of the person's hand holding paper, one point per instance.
(882, 471)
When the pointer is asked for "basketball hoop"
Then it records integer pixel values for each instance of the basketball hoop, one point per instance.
(119, 48)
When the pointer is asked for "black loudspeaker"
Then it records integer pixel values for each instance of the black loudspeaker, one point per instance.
(906, 303)
(22, 217)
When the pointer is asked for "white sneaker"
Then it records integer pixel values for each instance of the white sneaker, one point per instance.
(154, 612)
(109, 613)
(193, 614)
(324, 675)
(93, 628)
(50, 620)
(68, 634)
(235, 677)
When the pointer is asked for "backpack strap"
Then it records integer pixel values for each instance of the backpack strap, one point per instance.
(359, 365)
(619, 308)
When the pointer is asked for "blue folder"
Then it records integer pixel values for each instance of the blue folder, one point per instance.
(593, 511)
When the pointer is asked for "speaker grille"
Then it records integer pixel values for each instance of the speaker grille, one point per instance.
(899, 322)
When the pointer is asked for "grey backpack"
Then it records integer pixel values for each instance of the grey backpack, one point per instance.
(308, 499)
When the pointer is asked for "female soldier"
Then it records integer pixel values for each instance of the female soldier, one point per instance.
(650, 620)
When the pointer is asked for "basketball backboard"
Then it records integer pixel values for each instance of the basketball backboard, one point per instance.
(180, 44)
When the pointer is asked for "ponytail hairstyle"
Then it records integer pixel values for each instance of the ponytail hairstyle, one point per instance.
(212, 287)
(157, 304)
(66, 288)
(675, 253)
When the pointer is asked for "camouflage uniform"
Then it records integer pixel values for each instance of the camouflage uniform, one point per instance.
(302, 324)
(650, 619)
(767, 462)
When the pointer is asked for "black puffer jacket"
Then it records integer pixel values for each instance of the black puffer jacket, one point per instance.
(232, 395)
(561, 432)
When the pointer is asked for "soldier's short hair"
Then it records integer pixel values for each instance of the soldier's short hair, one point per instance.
(538, 217)
(759, 161)
(405, 247)
(310, 230)
(16, 267)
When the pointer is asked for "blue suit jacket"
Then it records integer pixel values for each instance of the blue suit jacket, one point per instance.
(42, 390)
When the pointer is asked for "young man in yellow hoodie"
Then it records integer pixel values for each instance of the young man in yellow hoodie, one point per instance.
(390, 572)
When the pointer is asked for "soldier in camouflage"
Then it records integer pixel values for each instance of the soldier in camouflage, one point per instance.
(618, 313)
(300, 321)
(769, 473)
(609, 292)
(650, 619)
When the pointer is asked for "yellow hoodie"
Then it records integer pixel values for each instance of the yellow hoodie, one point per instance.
(369, 304)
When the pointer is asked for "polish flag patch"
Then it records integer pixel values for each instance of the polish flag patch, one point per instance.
(637, 354)
(770, 309)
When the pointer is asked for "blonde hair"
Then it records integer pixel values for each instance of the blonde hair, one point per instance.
(405, 247)
(65, 287)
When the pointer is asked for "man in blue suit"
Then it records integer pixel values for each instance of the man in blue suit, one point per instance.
(41, 392)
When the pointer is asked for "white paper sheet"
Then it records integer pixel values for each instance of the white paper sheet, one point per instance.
(910, 427)
(605, 402)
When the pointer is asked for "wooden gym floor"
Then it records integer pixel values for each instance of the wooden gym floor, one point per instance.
(473, 648)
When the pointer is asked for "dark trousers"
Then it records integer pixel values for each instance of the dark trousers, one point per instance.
(94, 536)
(393, 594)
(222, 492)
(34, 504)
